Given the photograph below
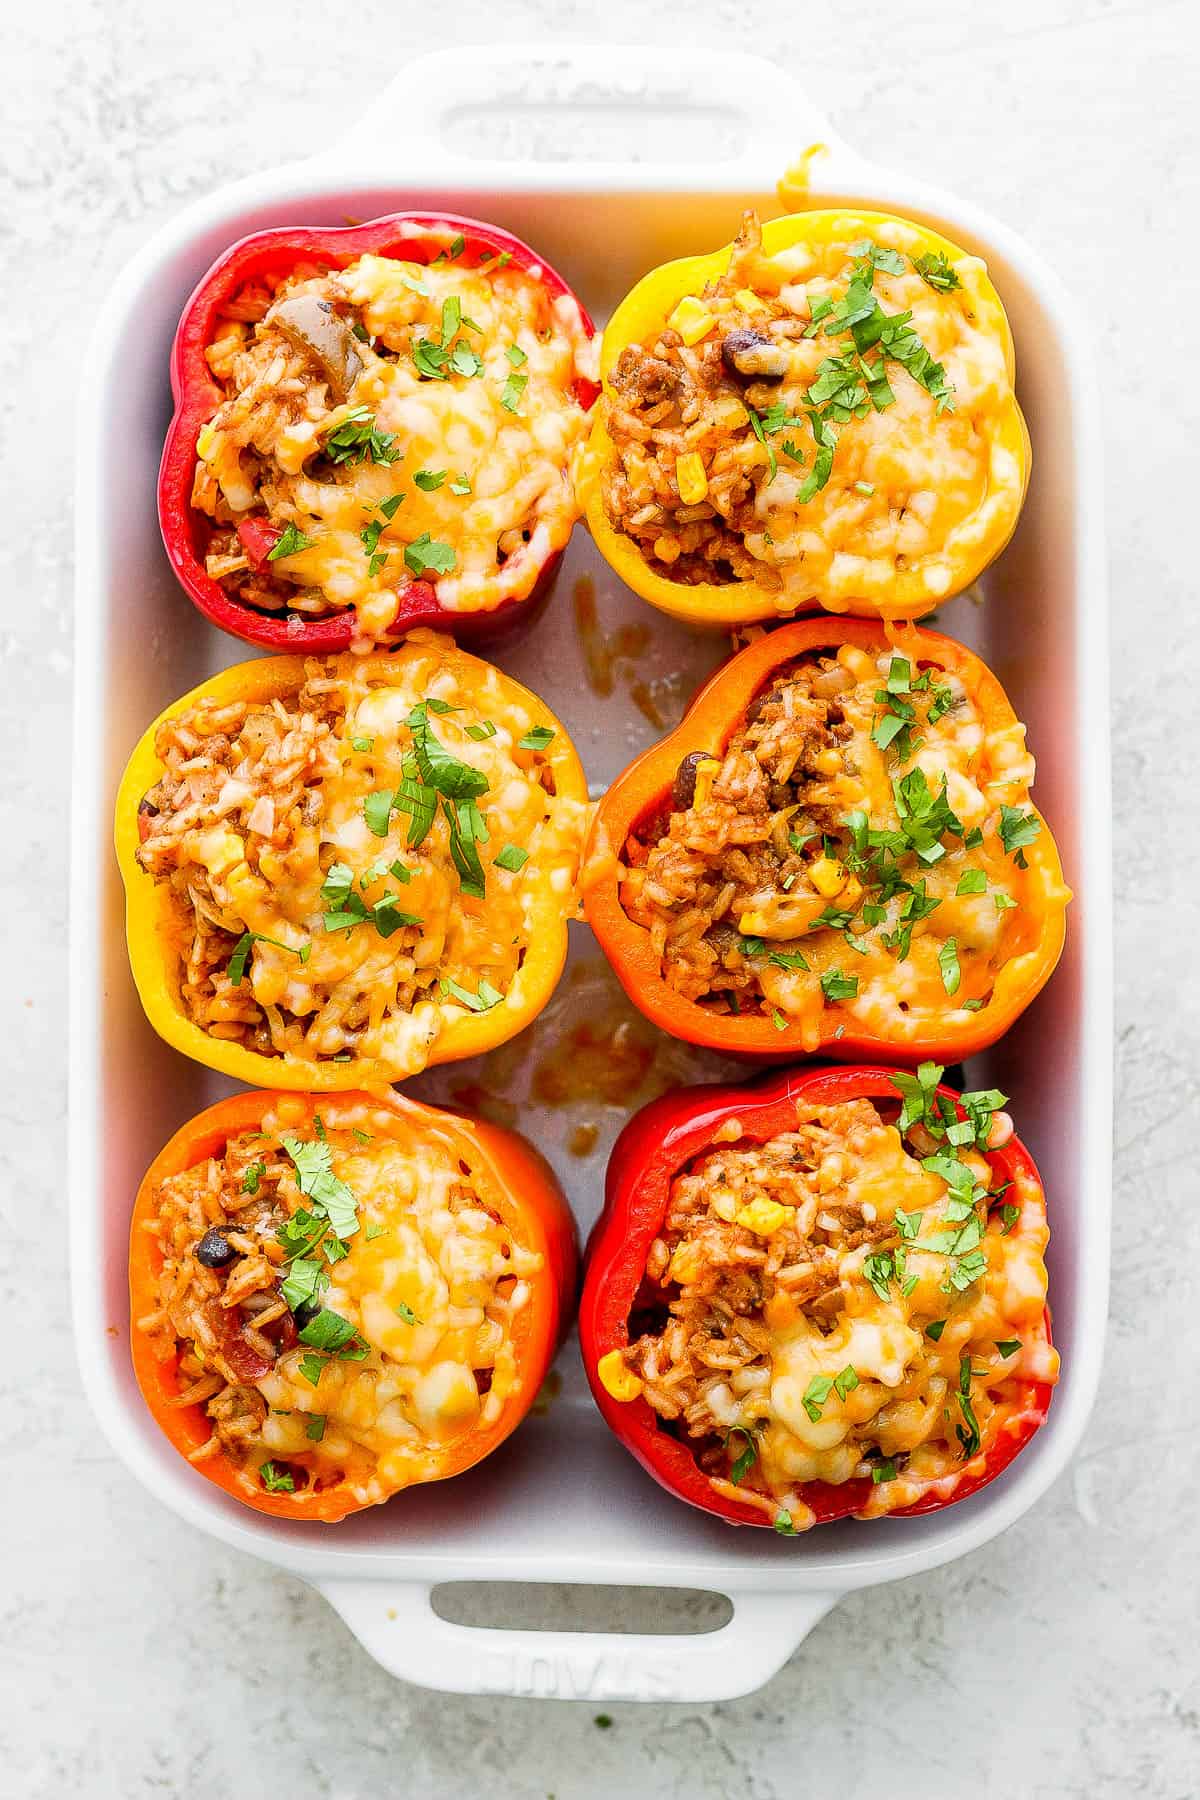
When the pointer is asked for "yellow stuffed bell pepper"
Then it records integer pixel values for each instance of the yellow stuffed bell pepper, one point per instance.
(340, 870)
(821, 414)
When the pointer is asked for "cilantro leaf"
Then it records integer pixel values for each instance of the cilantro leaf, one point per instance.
(935, 269)
(427, 553)
(291, 543)
(358, 439)
(277, 1480)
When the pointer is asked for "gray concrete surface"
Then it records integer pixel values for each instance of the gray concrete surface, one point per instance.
(139, 1658)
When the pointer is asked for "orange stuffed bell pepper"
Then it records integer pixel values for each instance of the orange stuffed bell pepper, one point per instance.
(340, 871)
(834, 851)
(331, 1303)
(821, 414)
(820, 1296)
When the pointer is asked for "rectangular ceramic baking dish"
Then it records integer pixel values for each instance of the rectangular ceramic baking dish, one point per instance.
(563, 1502)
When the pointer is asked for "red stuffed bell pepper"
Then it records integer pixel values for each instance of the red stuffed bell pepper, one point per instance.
(375, 429)
(820, 1296)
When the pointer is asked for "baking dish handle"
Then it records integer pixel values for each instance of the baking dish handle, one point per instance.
(727, 119)
(397, 1625)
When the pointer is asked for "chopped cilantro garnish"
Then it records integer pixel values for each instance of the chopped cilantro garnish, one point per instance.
(291, 543)
(314, 1429)
(277, 1480)
(429, 479)
(482, 1001)
(514, 387)
(836, 986)
(331, 1198)
(746, 1459)
(972, 881)
(1017, 829)
(815, 1395)
(936, 270)
(949, 965)
(251, 1177)
(427, 553)
(358, 439)
(537, 739)
(241, 953)
(334, 1335)
(339, 880)
(968, 1432)
(405, 1312)
(512, 858)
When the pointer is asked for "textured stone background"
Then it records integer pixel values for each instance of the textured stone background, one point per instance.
(1060, 1661)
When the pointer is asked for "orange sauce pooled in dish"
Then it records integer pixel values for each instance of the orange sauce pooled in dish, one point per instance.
(604, 650)
(606, 1059)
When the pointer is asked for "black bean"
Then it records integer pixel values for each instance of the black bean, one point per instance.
(683, 788)
(752, 356)
(214, 1250)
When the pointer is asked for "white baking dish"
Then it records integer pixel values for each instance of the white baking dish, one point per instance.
(563, 1502)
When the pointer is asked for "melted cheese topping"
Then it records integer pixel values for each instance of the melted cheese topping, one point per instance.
(941, 482)
(845, 1166)
(504, 440)
(328, 992)
(460, 1279)
(855, 968)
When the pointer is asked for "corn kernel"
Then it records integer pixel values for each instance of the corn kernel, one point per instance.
(666, 549)
(749, 301)
(764, 1216)
(852, 893)
(204, 442)
(752, 924)
(684, 1266)
(827, 876)
(725, 1205)
(616, 1379)
(706, 773)
(691, 319)
(691, 479)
